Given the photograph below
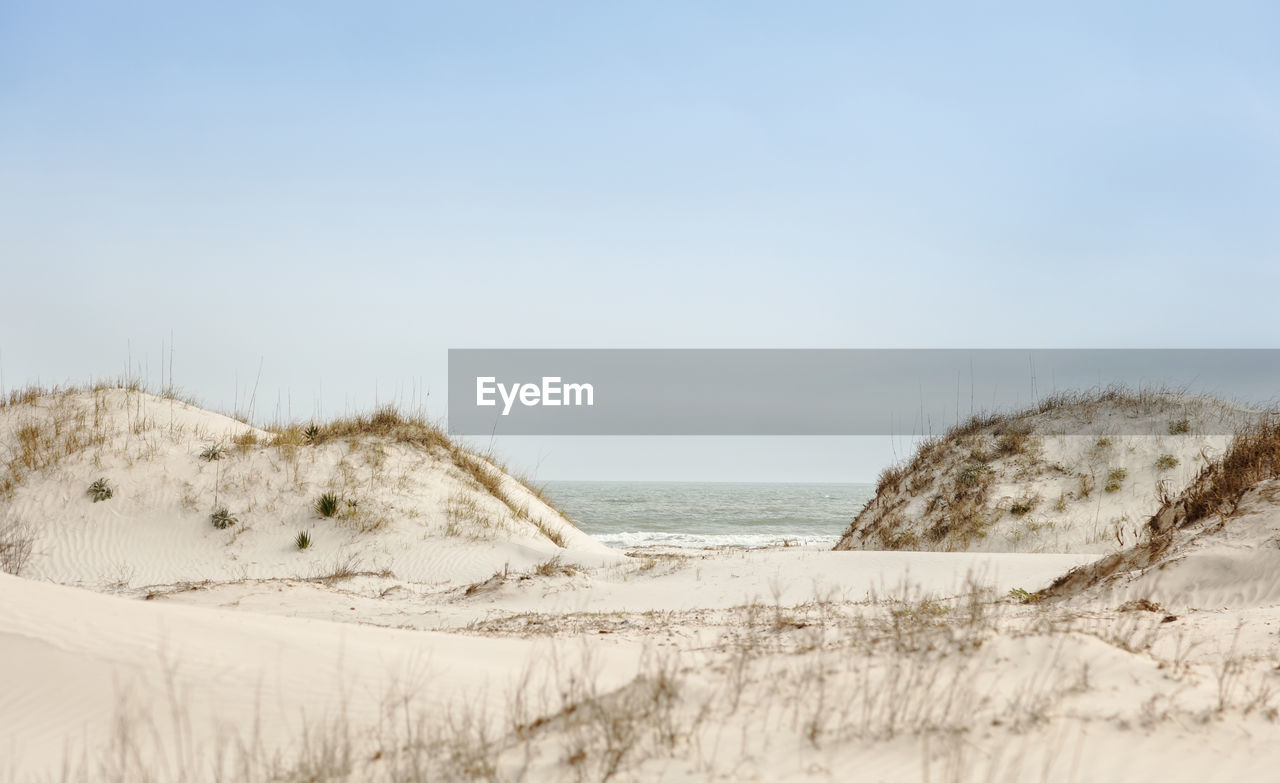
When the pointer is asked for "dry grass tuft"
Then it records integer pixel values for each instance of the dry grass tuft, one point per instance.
(554, 567)
(386, 422)
(1254, 455)
(46, 439)
(17, 543)
(464, 517)
(554, 536)
(245, 440)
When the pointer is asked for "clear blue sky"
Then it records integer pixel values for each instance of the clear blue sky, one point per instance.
(342, 192)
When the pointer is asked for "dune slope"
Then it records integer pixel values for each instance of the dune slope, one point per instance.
(1216, 545)
(120, 488)
(1076, 474)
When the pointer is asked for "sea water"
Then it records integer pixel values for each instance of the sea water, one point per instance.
(625, 514)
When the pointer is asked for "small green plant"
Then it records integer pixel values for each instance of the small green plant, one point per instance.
(1022, 507)
(327, 505)
(1024, 597)
(213, 453)
(311, 433)
(1115, 479)
(303, 540)
(972, 474)
(100, 490)
(1179, 427)
(1166, 462)
(222, 519)
(1103, 443)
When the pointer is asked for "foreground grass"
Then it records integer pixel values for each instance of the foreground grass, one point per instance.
(782, 690)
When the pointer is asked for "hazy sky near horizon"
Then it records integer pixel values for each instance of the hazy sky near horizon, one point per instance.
(338, 193)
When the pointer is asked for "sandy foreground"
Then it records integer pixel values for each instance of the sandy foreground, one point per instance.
(669, 665)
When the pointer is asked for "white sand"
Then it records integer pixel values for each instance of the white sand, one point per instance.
(789, 664)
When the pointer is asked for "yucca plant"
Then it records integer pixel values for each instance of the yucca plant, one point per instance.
(303, 540)
(222, 519)
(327, 504)
(213, 453)
(100, 490)
(311, 433)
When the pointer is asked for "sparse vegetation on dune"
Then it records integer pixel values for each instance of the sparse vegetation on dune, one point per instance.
(965, 488)
(50, 425)
(392, 424)
(387, 422)
(1210, 500)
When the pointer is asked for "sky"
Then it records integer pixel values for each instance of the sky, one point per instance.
(310, 203)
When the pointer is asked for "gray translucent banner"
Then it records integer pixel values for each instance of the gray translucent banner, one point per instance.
(814, 392)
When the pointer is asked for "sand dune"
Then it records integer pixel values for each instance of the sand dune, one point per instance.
(1079, 473)
(403, 507)
(75, 661)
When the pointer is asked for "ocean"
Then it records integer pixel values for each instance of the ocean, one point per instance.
(624, 513)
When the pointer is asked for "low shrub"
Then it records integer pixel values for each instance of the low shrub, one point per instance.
(222, 519)
(213, 453)
(327, 505)
(302, 540)
(100, 490)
